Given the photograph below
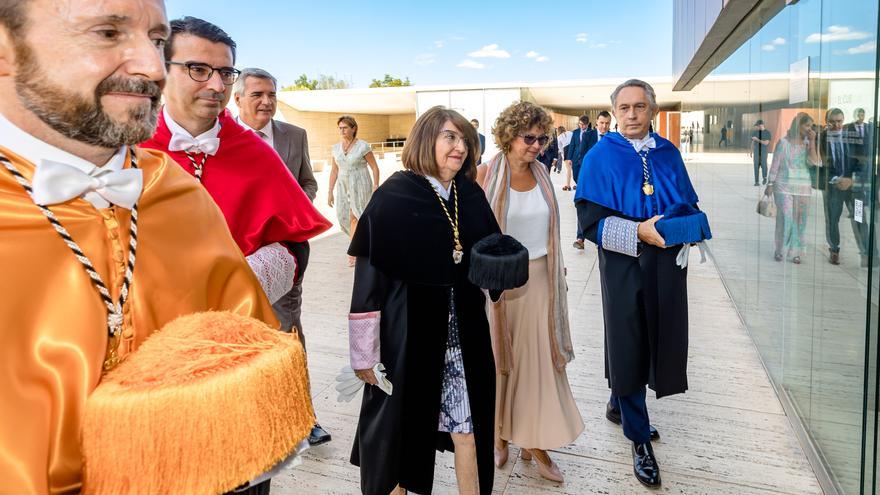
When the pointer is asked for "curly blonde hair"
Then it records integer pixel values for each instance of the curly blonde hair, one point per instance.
(518, 118)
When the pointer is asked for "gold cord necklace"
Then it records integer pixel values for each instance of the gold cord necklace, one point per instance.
(458, 252)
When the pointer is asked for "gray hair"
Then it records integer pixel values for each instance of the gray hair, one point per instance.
(636, 83)
(247, 72)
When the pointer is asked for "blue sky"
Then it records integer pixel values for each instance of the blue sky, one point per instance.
(447, 42)
(839, 36)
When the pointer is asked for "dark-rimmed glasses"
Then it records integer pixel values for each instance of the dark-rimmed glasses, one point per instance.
(530, 139)
(200, 72)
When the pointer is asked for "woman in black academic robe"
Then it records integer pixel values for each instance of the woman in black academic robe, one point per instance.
(412, 295)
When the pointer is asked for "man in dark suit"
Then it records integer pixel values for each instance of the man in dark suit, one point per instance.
(589, 139)
(476, 124)
(255, 95)
(842, 184)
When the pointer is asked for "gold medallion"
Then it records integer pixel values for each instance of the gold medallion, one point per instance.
(648, 189)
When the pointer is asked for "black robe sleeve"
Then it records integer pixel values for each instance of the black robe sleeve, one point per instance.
(369, 288)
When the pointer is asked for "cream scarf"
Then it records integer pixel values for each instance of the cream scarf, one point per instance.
(497, 187)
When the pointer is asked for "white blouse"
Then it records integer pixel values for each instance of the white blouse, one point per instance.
(528, 220)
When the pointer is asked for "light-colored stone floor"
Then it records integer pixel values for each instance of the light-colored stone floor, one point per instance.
(726, 435)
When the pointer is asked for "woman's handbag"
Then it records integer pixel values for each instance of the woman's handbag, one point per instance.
(766, 206)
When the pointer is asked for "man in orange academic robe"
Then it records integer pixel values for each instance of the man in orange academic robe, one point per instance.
(80, 83)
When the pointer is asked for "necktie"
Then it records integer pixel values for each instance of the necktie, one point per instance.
(208, 146)
(57, 182)
(263, 135)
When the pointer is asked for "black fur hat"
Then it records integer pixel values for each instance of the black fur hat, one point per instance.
(499, 262)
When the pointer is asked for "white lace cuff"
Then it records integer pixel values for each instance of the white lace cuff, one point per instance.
(620, 235)
(275, 268)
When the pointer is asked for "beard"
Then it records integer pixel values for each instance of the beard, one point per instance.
(84, 119)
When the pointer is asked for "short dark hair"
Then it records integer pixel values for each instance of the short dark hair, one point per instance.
(584, 119)
(199, 28)
(759, 122)
(475, 121)
(604, 113)
(13, 17)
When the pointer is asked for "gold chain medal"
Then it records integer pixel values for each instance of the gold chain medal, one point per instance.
(458, 250)
(648, 189)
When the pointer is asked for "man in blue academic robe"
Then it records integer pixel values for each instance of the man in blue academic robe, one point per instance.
(629, 179)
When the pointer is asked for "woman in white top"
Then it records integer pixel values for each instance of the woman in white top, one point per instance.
(534, 406)
(352, 165)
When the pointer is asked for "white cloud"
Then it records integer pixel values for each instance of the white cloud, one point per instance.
(470, 64)
(541, 59)
(868, 47)
(581, 37)
(490, 51)
(425, 59)
(532, 54)
(837, 33)
(439, 44)
(769, 47)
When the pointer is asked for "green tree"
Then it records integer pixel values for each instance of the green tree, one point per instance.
(390, 82)
(304, 83)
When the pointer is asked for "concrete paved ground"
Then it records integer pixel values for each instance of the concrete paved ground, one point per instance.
(727, 435)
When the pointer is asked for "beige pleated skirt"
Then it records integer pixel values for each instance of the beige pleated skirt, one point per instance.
(534, 407)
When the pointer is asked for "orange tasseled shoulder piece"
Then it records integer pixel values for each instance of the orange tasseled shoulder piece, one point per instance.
(207, 403)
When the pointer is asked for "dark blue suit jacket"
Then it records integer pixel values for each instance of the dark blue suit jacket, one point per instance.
(584, 145)
(482, 147)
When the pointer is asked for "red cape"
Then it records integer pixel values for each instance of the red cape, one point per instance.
(259, 197)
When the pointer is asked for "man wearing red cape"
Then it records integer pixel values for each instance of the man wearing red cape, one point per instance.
(265, 208)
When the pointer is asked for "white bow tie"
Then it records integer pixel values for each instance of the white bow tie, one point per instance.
(179, 142)
(640, 144)
(57, 182)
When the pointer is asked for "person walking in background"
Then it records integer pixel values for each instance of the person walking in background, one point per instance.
(575, 152)
(723, 139)
(255, 93)
(563, 138)
(789, 181)
(758, 150)
(534, 406)
(841, 183)
(550, 153)
(476, 124)
(414, 310)
(603, 123)
(354, 175)
(577, 149)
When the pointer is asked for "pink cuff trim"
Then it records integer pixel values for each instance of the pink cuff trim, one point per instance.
(363, 339)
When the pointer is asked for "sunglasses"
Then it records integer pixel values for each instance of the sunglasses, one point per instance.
(530, 139)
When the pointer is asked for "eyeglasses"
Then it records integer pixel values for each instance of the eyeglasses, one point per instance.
(530, 139)
(452, 138)
(200, 72)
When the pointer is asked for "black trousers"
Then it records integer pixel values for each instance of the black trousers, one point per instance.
(834, 200)
(760, 162)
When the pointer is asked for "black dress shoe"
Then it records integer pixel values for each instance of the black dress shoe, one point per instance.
(318, 436)
(645, 465)
(613, 415)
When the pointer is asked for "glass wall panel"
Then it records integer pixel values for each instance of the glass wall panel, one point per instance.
(797, 105)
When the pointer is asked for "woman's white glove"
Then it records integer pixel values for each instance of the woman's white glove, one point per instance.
(348, 384)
